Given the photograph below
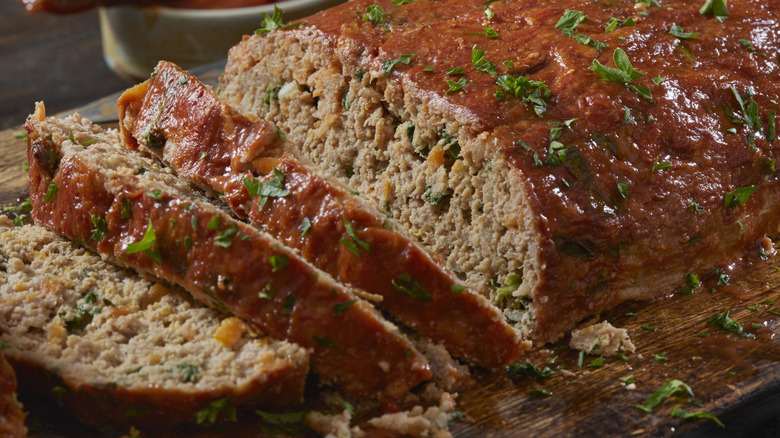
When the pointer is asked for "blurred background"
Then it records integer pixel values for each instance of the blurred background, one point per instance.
(54, 58)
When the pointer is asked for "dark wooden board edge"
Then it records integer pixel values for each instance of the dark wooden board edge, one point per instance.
(736, 379)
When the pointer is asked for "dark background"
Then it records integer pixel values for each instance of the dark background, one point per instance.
(54, 58)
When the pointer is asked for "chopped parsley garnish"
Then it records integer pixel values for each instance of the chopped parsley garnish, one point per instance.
(539, 392)
(597, 362)
(678, 412)
(629, 379)
(454, 71)
(24, 206)
(665, 166)
(624, 73)
(278, 262)
(717, 8)
(738, 196)
(340, 308)
(211, 410)
(455, 85)
(434, 198)
(622, 188)
(628, 119)
(126, 210)
(402, 2)
(51, 191)
(668, 389)
(650, 328)
(679, 33)
(615, 22)
(374, 14)
(156, 194)
(694, 206)
(324, 341)
(568, 24)
(660, 357)
(225, 238)
(480, 63)
(146, 244)
(428, 68)
(527, 90)
(275, 22)
(215, 222)
(405, 284)
(353, 244)
(537, 161)
(305, 226)
(100, 228)
(529, 370)
(457, 289)
(569, 21)
(389, 65)
(190, 371)
(489, 13)
(271, 188)
(289, 303)
(266, 291)
(724, 322)
(289, 423)
(490, 32)
(589, 41)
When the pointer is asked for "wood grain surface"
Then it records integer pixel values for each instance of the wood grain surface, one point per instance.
(736, 379)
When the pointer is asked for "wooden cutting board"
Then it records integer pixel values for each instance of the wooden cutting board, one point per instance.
(736, 379)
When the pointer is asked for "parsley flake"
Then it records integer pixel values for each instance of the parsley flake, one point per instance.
(145, 244)
(389, 65)
(405, 284)
(455, 85)
(738, 196)
(668, 389)
(100, 228)
(678, 32)
(374, 14)
(51, 191)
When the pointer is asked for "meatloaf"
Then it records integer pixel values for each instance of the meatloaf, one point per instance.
(11, 413)
(117, 350)
(82, 179)
(563, 156)
(215, 146)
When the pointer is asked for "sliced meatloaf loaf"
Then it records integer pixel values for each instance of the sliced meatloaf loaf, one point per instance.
(214, 145)
(88, 186)
(564, 156)
(124, 350)
(11, 412)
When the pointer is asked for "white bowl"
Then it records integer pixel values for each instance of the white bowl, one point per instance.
(135, 38)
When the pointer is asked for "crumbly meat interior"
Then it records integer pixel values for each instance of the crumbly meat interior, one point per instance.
(63, 308)
(442, 182)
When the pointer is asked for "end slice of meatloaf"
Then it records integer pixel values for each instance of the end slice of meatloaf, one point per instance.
(84, 179)
(213, 145)
(11, 412)
(124, 350)
(562, 167)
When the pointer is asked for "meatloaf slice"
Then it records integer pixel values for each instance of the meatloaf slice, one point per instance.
(127, 351)
(214, 145)
(11, 412)
(565, 156)
(84, 179)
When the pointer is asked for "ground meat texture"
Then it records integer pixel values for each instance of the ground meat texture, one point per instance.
(213, 145)
(621, 203)
(222, 262)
